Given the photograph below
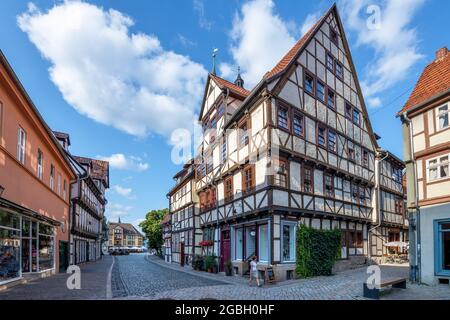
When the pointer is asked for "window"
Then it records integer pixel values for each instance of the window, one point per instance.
(309, 83)
(263, 243)
(333, 36)
(355, 193)
(339, 70)
(443, 247)
(399, 206)
(307, 180)
(247, 180)
(397, 174)
(21, 145)
(365, 158)
(224, 150)
(221, 110)
(229, 189)
(330, 62)
(288, 242)
(329, 185)
(351, 151)
(355, 117)
(332, 145)
(239, 244)
(64, 189)
(320, 91)
(283, 121)
(331, 99)
(10, 246)
(280, 176)
(209, 164)
(362, 196)
(443, 115)
(438, 168)
(52, 177)
(243, 134)
(40, 164)
(321, 136)
(59, 184)
(348, 111)
(298, 124)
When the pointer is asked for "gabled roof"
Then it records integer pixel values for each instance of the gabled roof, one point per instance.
(128, 228)
(100, 168)
(283, 64)
(434, 81)
(225, 84)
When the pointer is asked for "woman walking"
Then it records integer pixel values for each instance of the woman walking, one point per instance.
(254, 271)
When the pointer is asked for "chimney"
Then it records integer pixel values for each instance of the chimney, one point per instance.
(441, 53)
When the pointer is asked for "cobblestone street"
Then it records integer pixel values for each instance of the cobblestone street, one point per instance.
(139, 276)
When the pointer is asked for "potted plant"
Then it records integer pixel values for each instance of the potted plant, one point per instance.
(210, 262)
(197, 262)
(228, 268)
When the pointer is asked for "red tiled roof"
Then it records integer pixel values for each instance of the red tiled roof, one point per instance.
(287, 59)
(435, 79)
(100, 168)
(227, 84)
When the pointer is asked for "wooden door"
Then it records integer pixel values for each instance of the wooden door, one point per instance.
(225, 249)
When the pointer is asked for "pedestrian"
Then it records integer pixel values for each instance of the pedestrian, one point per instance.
(254, 271)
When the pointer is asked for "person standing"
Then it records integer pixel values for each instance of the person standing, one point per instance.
(254, 271)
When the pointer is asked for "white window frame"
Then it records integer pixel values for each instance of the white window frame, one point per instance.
(52, 177)
(259, 243)
(293, 224)
(438, 167)
(21, 145)
(40, 164)
(442, 113)
(59, 183)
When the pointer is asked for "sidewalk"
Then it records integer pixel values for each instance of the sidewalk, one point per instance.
(94, 285)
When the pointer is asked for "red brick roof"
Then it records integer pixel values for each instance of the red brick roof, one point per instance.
(227, 84)
(435, 80)
(292, 54)
(100, 168)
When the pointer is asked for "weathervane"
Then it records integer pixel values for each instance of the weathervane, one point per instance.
(214, 55)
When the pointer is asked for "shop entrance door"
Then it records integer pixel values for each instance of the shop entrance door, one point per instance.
(29, 246)
(63, 256)
(225, 249)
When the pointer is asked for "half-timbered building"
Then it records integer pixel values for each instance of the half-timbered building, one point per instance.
(296, 149)
(184, 219)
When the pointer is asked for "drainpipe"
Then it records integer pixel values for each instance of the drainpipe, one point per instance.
(378, 199)
(415, 269)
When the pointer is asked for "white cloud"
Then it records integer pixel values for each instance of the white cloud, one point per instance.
(374, 102)
(226, 70)
(115, 210)
(395, 42)
(309, 22)
(186, 42)
(118, 78)
(260, 38)
(122, 162)
(125, 192)
(199, 7)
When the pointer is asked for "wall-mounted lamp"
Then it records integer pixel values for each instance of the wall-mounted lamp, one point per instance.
(2, 188)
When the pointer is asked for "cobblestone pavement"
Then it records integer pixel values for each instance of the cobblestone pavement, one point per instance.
(144, 279)
(94, 280)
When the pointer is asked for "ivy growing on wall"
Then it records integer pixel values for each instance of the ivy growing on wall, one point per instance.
(317, 251)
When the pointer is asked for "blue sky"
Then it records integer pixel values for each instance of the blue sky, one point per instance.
(119, 76)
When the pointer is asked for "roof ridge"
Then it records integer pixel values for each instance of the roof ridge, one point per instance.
(231, 85)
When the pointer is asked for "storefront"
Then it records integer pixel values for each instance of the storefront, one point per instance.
(27, 245)
(442, 247)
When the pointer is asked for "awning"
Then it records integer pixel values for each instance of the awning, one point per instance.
(396, 244)
(18, 209)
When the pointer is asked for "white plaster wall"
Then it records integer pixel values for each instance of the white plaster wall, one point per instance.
(427, 216)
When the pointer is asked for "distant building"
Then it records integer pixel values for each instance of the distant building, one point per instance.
(426, 149)
(124, 236)
(35, 174)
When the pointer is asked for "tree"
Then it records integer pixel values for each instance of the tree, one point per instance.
(152, 229)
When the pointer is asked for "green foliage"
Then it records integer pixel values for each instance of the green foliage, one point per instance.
(198, 262)
(152, 229)
(210, 262)
(317, 251)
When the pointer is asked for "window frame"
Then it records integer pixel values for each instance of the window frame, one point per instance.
(244, 133)
(229, 194)
(334, 36)
(333, 107)
(334, 150)
(336, 64)
(320, 127)
(311, 184)
(282, 163)
(21, 148)
(40, 165)
(440, 114)
(329, 175)
(52, 177)
(325, 91)
(329, 59)
(438, 168)
(365, 163)
(282, 107)
(246, 188)
(290, 224)
(302, 124)
(314, 86)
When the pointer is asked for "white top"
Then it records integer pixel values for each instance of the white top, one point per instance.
(253, 265)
